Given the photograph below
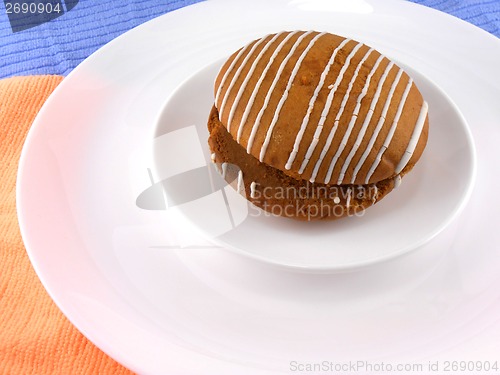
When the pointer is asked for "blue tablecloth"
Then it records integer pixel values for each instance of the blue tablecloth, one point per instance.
(58, 46)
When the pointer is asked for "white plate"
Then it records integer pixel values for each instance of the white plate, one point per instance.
(117, 271)
(430, 197)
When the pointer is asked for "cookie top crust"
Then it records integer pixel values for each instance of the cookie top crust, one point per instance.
(323, 108)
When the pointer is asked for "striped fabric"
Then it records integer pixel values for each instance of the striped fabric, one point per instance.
(56, 47)
(482, 13)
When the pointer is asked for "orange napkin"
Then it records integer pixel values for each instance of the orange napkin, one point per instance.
(35, 337)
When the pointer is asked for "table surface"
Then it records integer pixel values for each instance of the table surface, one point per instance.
(58, 46)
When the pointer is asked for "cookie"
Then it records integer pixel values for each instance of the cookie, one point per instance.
(319, 126)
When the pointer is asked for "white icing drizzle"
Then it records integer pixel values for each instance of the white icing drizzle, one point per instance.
(245, 82)
(378, 127)
(354, 117)
(240, 181)
(269, 92)
(212, 157)
(397, 181)
(312, 101)
(324, 114)
(253, 187)
(336, 200)
(374, 198)
(349, 88)
(348, 201)
(369, 115)
(229, 69)
(257, 87)
(287, 89)
(415, 136)
(237, 74)
(392, 130)
(224, 169)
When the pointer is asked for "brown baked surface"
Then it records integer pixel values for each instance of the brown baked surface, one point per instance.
(315, 126)
(236, 83)
(283, 195)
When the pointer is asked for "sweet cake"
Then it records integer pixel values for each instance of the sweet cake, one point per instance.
(312, 125)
